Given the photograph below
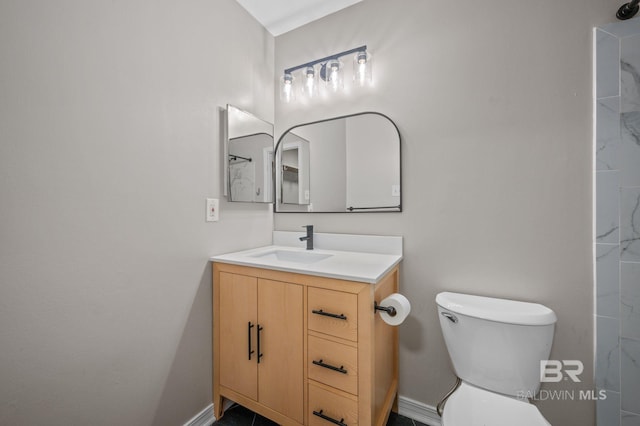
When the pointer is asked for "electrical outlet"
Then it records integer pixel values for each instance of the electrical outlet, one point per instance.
(212, 210)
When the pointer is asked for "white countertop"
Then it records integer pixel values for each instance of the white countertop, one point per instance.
(382, 254)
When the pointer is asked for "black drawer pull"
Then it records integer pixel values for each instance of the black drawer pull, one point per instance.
(331, 367)
(329, 419)
(327, 314)
(260, 354)
(250, 350)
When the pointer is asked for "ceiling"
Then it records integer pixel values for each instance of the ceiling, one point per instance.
(280, 16)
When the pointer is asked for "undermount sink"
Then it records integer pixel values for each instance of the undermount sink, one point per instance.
(304, 257)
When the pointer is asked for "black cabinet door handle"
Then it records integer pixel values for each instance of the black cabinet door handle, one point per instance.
(328, 314)
(329, 419)
(250, 326)
(260, 328)
(330, 367)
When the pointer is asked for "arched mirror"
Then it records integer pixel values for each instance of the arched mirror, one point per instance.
(249, 152)
(346, 164)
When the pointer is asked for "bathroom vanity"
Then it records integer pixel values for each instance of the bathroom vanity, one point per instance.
(295, 334)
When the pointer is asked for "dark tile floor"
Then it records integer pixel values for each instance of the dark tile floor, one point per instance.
(240, 416)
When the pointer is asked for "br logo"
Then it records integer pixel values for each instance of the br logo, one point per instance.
(555, 371)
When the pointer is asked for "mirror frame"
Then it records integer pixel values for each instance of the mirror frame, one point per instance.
(373, 209)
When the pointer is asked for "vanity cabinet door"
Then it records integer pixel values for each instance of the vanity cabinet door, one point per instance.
(261, 342)
(238, 322)
(280, 371)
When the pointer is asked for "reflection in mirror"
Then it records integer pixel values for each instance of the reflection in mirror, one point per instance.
(294, 170)
(249, 151)
(345, 164)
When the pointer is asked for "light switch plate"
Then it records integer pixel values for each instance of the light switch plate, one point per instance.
(212, 210)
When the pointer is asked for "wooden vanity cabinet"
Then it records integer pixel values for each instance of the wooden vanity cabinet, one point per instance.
(325, 357)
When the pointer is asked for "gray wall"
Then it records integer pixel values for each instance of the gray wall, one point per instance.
(493, 101)
(617, 237)
(109, 144)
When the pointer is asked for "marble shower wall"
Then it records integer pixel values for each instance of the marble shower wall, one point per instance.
(617, 222)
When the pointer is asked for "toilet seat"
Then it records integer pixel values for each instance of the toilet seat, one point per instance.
(472, 406)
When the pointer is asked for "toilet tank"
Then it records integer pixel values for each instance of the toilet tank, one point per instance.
(496, 344)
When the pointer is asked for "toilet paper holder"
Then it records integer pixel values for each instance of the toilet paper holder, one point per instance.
(388, 309)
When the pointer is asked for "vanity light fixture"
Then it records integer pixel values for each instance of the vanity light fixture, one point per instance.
(331, 72)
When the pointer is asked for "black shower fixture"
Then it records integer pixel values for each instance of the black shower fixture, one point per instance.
(628, 10)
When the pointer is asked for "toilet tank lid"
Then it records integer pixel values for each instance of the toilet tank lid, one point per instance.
(499, 310)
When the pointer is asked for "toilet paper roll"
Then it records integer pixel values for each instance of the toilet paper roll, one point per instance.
(400, 304)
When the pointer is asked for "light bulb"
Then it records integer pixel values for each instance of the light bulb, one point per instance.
(362, 68)
(309, 87)
(333, 75)
(287, 94)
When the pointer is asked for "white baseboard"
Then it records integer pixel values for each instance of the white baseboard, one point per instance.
(203, 418)
(406, 407)
(418, 411)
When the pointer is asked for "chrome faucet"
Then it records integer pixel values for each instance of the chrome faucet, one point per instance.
(309, 237)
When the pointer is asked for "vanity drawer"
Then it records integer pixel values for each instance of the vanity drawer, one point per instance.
(333, 364)
(333, 312)
(325, 406)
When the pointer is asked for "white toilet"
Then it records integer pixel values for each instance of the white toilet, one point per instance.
(496, 346)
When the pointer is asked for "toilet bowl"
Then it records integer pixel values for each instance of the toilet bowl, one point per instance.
(495, 346)
(472, 406)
